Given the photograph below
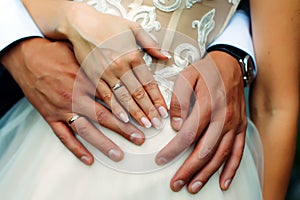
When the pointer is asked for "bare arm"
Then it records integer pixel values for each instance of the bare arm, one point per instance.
(275, 94)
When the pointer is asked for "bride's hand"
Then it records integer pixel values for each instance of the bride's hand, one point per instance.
(106, 46)
(217, 122)
(49, 76)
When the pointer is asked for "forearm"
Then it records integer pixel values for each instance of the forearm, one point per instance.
(50, 16)
(278, 134)
(275, 94)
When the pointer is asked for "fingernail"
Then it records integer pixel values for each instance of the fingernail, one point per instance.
(124, 117)
(178, 185)
(196, 186)
(161, 161)
(146, 122)
(166, 54)
(114, 154)
(176, 122)
(156, 123)
(136, 138)
(227, 184)
(163, 112)
(85, 159)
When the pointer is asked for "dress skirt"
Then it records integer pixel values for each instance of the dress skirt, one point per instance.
(35, 165)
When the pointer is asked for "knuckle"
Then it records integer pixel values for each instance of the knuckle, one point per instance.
(118, 66)
(63, 138)
(177, 107)
(63, 99)
(226, 153)
(107, 96)
(139, 93)
(101, 115)
(188, 138)
(135, 57)
(151, 85)
(124, 97)
(83, 131)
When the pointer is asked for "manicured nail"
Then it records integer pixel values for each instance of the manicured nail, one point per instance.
(163, 112)
(136, 138)
(124, 117)
(156, 123)
(85, 159)
(166, 54)
(146, 122)
(161, 161)
(177, 123)
(196, 186)
(114, 154)
(227, 184)
(178, 185)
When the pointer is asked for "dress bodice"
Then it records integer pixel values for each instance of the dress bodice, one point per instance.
(201, 20)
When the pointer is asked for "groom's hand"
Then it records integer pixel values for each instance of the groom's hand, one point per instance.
(51, 79)
(216, 122)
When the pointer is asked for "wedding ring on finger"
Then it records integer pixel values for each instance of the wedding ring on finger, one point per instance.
(117, 86)
(73, 119)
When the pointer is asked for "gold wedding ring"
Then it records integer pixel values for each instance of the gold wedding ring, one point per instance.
(117, 86)
(73, 119)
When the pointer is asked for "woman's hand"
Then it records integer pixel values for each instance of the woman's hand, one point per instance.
(51, 79)
(216, 123)
(106, 47)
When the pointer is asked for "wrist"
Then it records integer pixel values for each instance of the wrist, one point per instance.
(244, 60)
(50, 17)
(228, 68)
(75, 16)
(13, 55)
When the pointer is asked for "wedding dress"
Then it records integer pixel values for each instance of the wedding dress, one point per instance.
(34, 164)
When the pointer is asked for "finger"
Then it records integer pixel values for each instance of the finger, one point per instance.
(147, 80)
(233, 162)
(192, 127)
(197, 160)
(189, 133)
(98, 113)
(181, 98)
(202, 175)
(107, 96)
(147, 42)
(131, 106)
(141, 97)
(67, 137)
(132, 97)
(87, 131)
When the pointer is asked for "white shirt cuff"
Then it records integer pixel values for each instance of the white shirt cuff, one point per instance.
(16, 23)
(237, 34)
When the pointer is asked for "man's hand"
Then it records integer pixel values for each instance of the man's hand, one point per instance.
(51, 79)
(216, 122)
